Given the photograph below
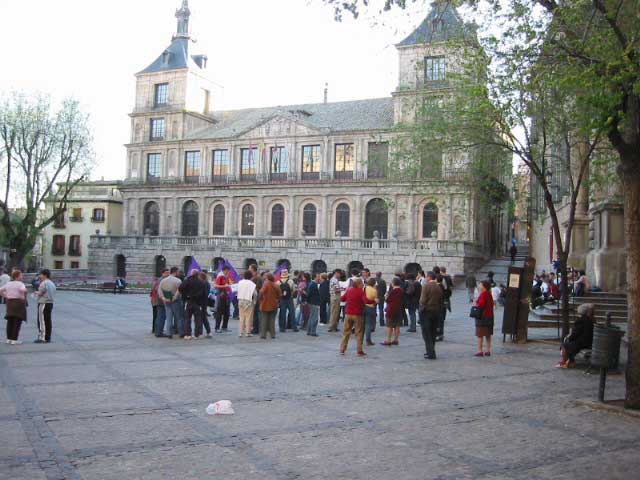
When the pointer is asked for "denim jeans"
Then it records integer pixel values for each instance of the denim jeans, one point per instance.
(369, 322)
(160, 319)
(174, 315)
(314, 314)
(412, 317)
(381, 311)
(287, 308)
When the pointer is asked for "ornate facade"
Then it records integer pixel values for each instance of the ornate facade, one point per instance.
(305, 183)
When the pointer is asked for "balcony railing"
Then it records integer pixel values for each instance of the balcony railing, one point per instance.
(57, 251)
(74, 253)
(97, 219)
(440, 247)
(76, 219)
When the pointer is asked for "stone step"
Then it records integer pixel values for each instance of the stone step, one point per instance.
(599, 300)
(600, 307)
(544, 314)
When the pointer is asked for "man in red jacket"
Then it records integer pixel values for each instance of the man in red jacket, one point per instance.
(355, 299)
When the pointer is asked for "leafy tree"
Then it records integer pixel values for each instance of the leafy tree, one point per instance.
(44, 154)
(590, 50)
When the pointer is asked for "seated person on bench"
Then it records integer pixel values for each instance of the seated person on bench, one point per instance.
(580, 338)
(120, 285)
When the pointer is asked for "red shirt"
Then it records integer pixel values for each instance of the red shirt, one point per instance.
(485, 302)
(395, 299)
(355, 299)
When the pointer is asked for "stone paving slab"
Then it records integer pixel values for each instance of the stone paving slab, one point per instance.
(107, 400)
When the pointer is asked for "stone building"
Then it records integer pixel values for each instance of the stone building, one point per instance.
(301, 183)
(93, 208)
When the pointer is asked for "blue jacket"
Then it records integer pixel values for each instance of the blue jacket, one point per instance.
(313, 293)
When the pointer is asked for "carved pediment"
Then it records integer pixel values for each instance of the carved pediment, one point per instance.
(283, 126)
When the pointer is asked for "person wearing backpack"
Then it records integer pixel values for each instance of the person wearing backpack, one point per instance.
(286, 306)
(412, 296)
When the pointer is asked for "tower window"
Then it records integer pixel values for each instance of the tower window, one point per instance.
(157, 129)
(161, 96)
(434, 69)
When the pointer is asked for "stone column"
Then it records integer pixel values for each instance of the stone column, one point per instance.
(411, 218)
(325, 218)
(125, 220)
(357, 218)
(202, 218)
(393, 218)
(259, 220)
(292, 227)
(324, 166)
(450, 218)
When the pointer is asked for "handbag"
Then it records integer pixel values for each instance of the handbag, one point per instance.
(476, 312)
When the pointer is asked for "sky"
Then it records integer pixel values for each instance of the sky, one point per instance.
(263, 52)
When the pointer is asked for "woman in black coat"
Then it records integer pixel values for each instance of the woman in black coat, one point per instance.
(580, 338)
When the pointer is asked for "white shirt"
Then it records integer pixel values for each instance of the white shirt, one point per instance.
(495, 293)
(246, 288)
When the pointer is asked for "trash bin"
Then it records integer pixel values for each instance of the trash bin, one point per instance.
(605, 352)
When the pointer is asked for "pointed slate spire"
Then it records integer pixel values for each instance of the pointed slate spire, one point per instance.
(442, 24)
(183, 15)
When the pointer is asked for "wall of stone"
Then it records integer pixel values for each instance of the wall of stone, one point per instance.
(140, 260)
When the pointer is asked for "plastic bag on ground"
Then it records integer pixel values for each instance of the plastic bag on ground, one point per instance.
(223, 407)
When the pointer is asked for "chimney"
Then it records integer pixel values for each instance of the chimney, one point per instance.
(326, 92)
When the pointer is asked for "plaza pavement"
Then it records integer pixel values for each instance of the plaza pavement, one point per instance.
(107, 400)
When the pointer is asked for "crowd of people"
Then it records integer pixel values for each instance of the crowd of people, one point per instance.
(14, 293)
(357, 301)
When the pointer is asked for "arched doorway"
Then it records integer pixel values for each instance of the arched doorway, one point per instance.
(376, 218)
(218, 221)
(343, 219)
(151, 219)
(277, 220)
(216, 263)
(186, 263)
(309, 215)
(354, 264)
(413, 268)
(121, 266)
(160, 264)
(318, 266)
(250, 261)
(285, 262)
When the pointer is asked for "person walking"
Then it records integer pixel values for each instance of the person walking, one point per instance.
(170, 296)
(223, 304)
(447, 290)
(325, 298)
(470, 282)
(257, 279)
(192, 291)
(314, 302)
(513, 251)
(381, 285)
(203, 301)
(355, 300)
(247, 296)
(335, 291)
(155, 304)
(302, 315)
(371, 292)
(287, 310)
(46, 294)
(395, 308)
(4, 279)
(14, 294)
(430, 311)
(269, 297)
(159, 313)
(484, 324)
(412, 298)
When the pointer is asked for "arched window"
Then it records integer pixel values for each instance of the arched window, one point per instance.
(250, 261)
(277, 221)
(151, 219)
(413, 268)
(190, 219)
(121, 266)
(283, 262)
(309, 220)
(318, 266)
(248, 221)
(343, 218)
(354, 264)
(218, 220)
(376, 219)
(429, 220)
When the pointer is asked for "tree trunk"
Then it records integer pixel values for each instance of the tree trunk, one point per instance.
(564, 295)
(631, 190)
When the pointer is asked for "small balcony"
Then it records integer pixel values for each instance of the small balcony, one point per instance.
(74, 253)
(97, 219)
(76, 219)
(57, 251)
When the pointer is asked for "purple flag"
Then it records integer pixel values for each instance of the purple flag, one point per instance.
(232, 271)
(278, 271)
(193, 266)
